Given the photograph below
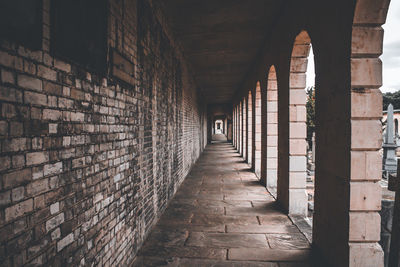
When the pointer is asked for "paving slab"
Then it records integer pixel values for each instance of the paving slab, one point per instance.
(265, 254)
(184, 252)
(274, 219)
(208, 219)
(260, 210)
(226, 240)
(225, 203)
(262, 229)
(220, 228)
(171, 218)
(287, 241)
(244, 196)
(161, 237)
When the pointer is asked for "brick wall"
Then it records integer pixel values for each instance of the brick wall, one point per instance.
(89, 162)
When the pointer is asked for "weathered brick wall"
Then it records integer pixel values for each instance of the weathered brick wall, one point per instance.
(88, 163)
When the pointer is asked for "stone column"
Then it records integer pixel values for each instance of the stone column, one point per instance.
(349, 137)
(257, 109)
(236, 128)
(298, 126)
(241, 128)
(297, 145)
(226, 126)
(209, 129)
(213, 125)
(272, 132)
(394, 254)
(313, 143)
(366, 134)
(233, 126)
(245, 141)
(250, 128)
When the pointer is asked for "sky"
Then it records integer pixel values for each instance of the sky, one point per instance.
(391, 52)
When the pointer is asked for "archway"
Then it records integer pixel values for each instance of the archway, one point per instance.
(366, 111)
(292, 160)
(348, 136)
(297, 125)
(219, 126)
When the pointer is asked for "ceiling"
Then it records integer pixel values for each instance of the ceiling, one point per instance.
(220, 39)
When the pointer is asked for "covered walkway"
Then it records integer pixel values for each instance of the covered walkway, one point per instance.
(107, 122)
(222, 216)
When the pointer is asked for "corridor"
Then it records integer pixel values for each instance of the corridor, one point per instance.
(222, 216)
(136, 132)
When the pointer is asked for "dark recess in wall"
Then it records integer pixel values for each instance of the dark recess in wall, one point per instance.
(21, 22)
(79, 32)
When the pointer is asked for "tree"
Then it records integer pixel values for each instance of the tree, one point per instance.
(310, 106)
(391, 98)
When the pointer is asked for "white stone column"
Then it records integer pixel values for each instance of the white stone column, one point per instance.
(272, 131)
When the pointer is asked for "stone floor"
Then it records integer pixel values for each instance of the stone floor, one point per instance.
(221, 216)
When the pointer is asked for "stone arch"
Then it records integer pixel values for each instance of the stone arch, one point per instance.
(366, 111)
(292, 131)
(249, 127)
(348, 131)
(297, 125)
(257, 129)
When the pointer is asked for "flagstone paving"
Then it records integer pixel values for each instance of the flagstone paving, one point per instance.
(221, 216)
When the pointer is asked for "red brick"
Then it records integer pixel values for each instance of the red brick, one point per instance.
(29, 82)
(7, 77)
(17, 178)
(35, 98)
(8, 110)
(47, 73)
(51, 114)
(52, 88)
(16, 128)
(3, 128)
(15, 144)
(19, 209)
(5, 163)
(36, 158)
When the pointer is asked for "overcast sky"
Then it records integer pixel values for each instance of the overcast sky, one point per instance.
(391, 52)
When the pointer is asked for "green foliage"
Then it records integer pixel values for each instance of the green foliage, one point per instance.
(393, 98)
(310, 105)
(388, 98)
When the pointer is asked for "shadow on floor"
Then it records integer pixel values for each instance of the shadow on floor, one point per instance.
(221, 216)
(219, 138)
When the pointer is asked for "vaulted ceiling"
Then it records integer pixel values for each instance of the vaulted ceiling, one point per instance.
(221, 39)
